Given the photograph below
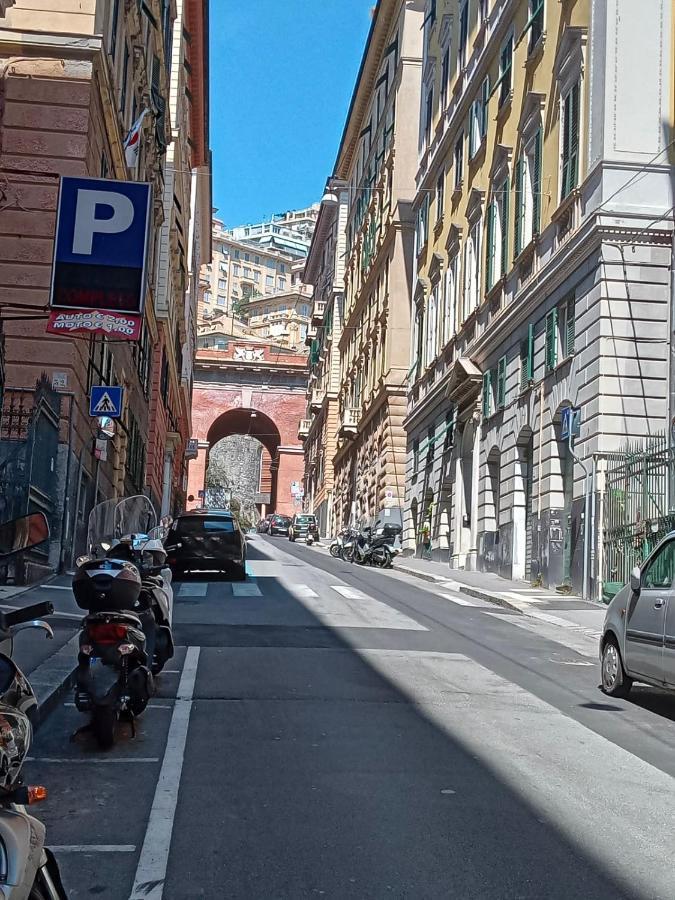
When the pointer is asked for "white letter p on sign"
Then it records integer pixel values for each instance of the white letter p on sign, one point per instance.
(86, 223)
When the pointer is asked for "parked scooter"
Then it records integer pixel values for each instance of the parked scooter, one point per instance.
(336, 546)
(28, 870)
(373, 547)
(127, 631)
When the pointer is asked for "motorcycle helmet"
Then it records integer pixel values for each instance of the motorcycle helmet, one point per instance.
(107, 585)
(15, 738)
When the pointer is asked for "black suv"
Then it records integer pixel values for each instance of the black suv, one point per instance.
(302, 526)
(202, 540)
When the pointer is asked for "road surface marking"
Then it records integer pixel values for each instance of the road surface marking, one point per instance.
(55, 587)
(93, 848)
(459, 600)
(354, 609)
(151, 871)
(303, 590)
(245, 589)
(194, 589)
(98, 760)
(348, 592)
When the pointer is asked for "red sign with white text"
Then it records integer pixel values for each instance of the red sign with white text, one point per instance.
(124, 326)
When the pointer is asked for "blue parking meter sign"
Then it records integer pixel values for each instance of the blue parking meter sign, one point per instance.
(100, 256)
(106, 400)
(571, 422)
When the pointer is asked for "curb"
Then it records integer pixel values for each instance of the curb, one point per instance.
(53, 678)
(465, 589)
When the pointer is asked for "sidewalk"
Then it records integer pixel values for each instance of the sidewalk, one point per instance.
(570, 610)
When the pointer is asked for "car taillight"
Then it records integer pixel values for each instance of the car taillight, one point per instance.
(106, 632)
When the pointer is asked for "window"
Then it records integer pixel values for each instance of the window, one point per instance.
(256, 277)
(528, 194)
(221, 284)
(270, 263)
(428, 117)
(223, 269)
(497, 235)
(221, 300)
(660, 570)
(445, 78)
(114, 27)
(256, 260)
(269, 281)
(535, 23)
(304, 310)
(505, 65)
(236, 269)
(451, 285)
(281, 284)
(135, 454)
(431, 322)
(459, 161)
(570, 141)
(449, 429)
(568, 327)
(247, 257)
(282, 268)
(478, 119)
(125, 74)
(487, 393)
(551, 351)
(422, 224)
(482, 11)
(527, 359)
(501, 383)
(247, 271)
(236, 254)
(207, 296)
(440, 196)
(415, 456)
(463, 34)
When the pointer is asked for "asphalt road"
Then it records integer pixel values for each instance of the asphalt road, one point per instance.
(332, 731)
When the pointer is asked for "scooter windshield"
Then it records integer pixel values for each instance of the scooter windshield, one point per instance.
(134, 515)
(101, 528)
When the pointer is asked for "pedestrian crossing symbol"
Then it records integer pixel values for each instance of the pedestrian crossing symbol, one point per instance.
(105, 401)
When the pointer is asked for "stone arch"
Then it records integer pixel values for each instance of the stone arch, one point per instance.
(522, 510)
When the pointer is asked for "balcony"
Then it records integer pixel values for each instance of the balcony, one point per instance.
(311, 336)
(303, 429)
(350, 422)
(316, 399)
(318, 312)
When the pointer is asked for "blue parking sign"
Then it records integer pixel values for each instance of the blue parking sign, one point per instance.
(101, 245)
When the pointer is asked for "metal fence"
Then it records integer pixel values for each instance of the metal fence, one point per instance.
(636, 514)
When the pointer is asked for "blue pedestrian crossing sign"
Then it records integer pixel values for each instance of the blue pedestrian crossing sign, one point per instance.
(106, 400)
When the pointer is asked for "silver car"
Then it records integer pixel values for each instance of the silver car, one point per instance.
(638, 637)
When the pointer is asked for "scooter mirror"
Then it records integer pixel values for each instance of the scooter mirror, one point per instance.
(23, 533)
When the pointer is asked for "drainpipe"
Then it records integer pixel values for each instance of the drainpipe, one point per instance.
(65, 517)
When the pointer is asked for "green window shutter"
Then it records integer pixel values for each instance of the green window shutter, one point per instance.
(485, 100)
(490, 247)
(520, 207)
(472, 138)
(487, 389)
(536, 185)
(524, 381)
(565, 148)
(527, 359)
(551, 340)
(506, 187)
(569, 327)
(501, 383)
(574, 138)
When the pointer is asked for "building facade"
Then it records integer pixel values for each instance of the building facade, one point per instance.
(325, 271)
(73, 81)
(283, 316)
(377, 161)
(542, 267)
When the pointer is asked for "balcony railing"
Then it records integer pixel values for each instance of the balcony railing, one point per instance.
(316, 399)
(318, 312)
(303, 428)
(350, 422)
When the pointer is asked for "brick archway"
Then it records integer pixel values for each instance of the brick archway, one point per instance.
(234, 394)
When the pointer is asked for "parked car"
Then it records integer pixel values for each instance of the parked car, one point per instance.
(279, 524)
(301, 526)
(638, 636)
(202, 540)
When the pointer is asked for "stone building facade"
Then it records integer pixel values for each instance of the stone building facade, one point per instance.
(377, 160)
(542, 268)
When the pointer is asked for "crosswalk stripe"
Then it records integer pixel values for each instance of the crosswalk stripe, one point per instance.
(245, 589)
(348, 592)
(460, 601)
(194, 589)
(303, 590)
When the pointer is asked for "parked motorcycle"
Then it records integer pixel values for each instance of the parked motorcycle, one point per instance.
(28, 870)
(123, 586)
(375, 547)
(336, 546)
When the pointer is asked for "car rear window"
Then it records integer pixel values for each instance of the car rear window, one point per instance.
(201, 524)
(305, 520)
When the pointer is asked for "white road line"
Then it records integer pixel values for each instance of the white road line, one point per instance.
(97, 760)
(151, 870)
(93, 848)
(303, 590)
(348, 592)
(245, 589)
(55, 587)
(194, 589)
(459, 600)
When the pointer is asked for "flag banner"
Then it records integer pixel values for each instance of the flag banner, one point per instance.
(123, 326)
(132, 142)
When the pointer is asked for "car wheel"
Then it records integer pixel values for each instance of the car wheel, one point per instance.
(615, 682)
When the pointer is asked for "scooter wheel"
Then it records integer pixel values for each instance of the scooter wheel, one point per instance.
(335, 551)
(103, 721)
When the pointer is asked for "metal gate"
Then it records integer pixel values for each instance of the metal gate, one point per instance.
(635, 516)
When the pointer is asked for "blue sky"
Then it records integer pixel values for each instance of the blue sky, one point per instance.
(282, 74)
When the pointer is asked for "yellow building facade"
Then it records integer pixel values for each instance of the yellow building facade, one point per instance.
(533, 144)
